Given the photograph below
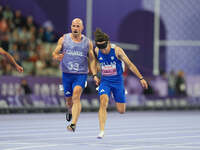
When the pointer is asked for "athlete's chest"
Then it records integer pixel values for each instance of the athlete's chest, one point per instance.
(108, 65)
(75, 49)
(107, 59)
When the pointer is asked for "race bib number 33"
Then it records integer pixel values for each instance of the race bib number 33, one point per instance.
(73, 66)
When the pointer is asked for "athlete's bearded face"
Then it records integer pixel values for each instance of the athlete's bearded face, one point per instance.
(77, 27)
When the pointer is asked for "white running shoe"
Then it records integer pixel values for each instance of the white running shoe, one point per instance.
(101, 135)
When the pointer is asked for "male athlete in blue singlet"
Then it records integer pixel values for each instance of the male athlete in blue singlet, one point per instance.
(11, 59)
(73, 51)
(110, 59)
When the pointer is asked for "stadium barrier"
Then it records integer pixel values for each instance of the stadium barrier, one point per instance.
(47, 96)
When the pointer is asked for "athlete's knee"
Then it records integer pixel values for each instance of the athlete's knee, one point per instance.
(103, 102)
(75, 97)
(76, 94)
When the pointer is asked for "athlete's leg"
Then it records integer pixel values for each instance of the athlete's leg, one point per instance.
(119, 96)
(121, 107)
(76, 107)
(78, 86)
(103, 111)
(69, 104)
(67, 85)
(104, 92)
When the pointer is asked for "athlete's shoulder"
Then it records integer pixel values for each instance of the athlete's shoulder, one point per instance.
(113, 45)
(66, 35)
(63, 36)
(85, 37)
(61, 39)
(118, 51)
(87, 41)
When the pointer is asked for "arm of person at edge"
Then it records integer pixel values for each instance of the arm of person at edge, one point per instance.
(11, 59)
(121, 55)
(56, 53)
(93, 64)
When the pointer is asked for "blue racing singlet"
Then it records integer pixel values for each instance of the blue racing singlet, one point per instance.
(75, 58)
(111, 66)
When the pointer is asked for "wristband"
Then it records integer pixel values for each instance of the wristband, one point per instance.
(141, 78)
(94, 75)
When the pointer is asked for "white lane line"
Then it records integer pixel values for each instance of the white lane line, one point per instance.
(166, 146)
(144, 125)
(159, 139)
(89, 130)
(110, 135)
(92, 130)
(187, 147)
(135, 128)
(36, 146)
(19, 143)
(23, 124)
(128, 146)
(53, 145)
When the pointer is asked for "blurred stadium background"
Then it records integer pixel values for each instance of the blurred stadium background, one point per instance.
(162, 38)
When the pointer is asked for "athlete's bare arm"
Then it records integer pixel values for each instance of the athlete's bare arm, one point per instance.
(56, 53)
(92, 63)
(96, 50)
(122, 56)
(11, 59)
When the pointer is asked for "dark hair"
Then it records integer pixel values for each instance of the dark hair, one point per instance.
(100, 36)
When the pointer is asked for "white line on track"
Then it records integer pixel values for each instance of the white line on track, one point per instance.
(36, 146)
(110, 135)
(61, 125)
(128, 146)
(93, 130)
(167, 146)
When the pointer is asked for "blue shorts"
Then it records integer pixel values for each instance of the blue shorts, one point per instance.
(69, 81)
(117, 90)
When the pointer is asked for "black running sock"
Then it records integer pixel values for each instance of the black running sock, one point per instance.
(68, 116)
